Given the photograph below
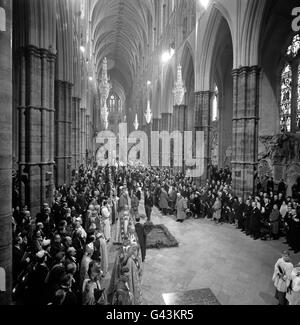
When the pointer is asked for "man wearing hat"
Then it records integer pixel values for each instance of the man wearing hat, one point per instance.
(282, 277)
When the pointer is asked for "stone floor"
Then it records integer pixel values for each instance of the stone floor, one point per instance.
(237, 269)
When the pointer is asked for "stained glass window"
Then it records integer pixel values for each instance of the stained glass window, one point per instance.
(298, 100)
(215, 108)
(286, 99)
(114, 103)
(290, 88)
(294, 48)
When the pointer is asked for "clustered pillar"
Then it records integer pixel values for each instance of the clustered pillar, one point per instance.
(203, 102)
(166, 121)
(63, 131)
(245, 129)
(83, 128)
(76, 132)
(35, 104)
(6, 154)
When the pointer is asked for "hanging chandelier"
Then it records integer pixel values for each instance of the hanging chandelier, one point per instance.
(104, 88)
(136, 123)
(148, 115)
(179, 89)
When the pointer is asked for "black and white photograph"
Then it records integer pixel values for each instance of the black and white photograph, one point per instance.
(149, 155)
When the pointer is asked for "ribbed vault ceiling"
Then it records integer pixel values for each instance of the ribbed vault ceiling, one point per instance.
(120, 33)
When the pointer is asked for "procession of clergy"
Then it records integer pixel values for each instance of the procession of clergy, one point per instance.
(60, 257)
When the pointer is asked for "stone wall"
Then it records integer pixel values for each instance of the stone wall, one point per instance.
(279, 157)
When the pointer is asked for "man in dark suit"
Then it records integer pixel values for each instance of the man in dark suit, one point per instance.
(148, 204)
(142, 237)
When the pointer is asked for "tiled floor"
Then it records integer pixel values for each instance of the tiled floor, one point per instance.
(236, 268)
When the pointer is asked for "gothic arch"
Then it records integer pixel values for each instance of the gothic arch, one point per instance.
(204, 63)
(274, 39)
(275, 36)
(64, 41)
(187, 63)
(250, 33)
(168, 92)
(187, 58)
(216, 61)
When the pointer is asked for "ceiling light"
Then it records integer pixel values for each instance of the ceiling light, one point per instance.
(91, 78)
(82, 49)
(149, 83)
(205, 3)
(165, 57)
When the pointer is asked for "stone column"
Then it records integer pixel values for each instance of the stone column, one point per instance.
(166, 119)
(87, 137)
(6, 152)
(76, 114)
(35, 104)
(175, 118)
(82, 134)
(148, 131)
(156, 122)
(63, 131)
(203, 102)
(245, 129)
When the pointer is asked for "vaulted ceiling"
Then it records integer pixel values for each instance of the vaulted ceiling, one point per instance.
(120, 33)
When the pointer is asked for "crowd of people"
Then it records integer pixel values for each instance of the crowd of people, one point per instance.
(60, 256)
(268, 214)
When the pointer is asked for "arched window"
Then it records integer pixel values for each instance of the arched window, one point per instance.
(2, 20)
(286, 99)
(215, 105)
(2, 280)
(290, 89)
(114, 103)
(298, 101)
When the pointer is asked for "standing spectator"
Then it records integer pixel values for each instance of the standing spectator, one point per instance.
(181, 208)
(282, 187)
(274, 221)
(270, 185)
(164, 201)
(148, 204)
(142, 238)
